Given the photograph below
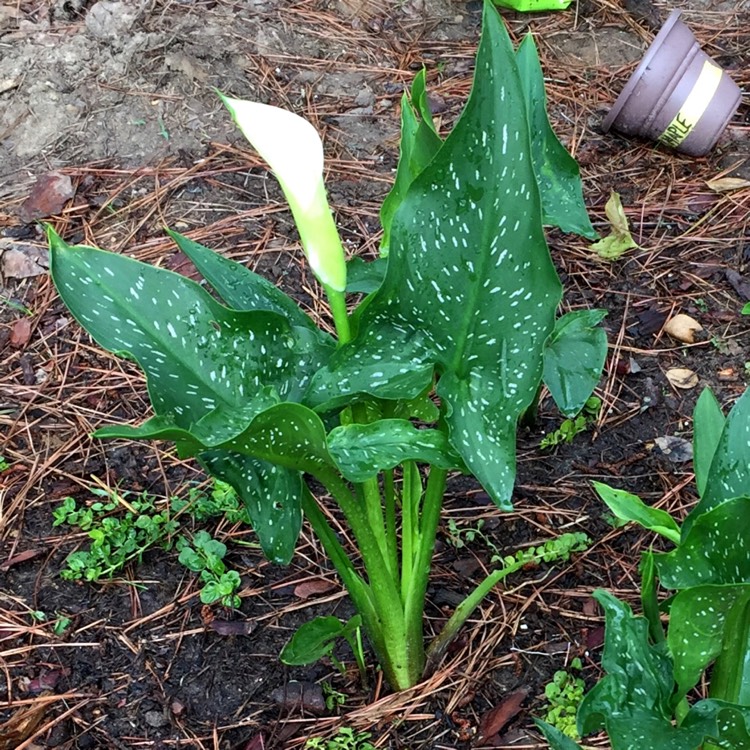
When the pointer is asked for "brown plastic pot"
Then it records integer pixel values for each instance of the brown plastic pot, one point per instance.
(678, 95)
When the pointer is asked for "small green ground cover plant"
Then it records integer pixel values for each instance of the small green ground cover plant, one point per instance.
(345, 739)
(428, 374)
(571, 427)
(115, 539)
(4, 464)
(564, 694)
(644, 699)
(205, 555)
(118, 537)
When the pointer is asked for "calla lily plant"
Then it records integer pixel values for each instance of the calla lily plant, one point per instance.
(429, 374)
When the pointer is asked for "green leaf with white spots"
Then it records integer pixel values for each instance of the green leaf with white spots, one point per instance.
(716, 549)
(197, 354)
(633, 699)
(730, 679)
(629, 507)
(697, 627)
(556, 170)
(271, 494)
(239, 287)
(574, 357)
(729, 475)
(470, 290)
(419, 143)
(708, 424)
(361, 451)
(287, 434)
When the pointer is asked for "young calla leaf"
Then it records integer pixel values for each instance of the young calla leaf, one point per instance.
(729, 475)
(557, 740)
(714, 550)
(361, 451)
(698, 618)
(633, 700)
(556, 170)
(197, 354)
(316, 639)
(419, 143)
(470, 288)
(629, 507)
(238, 286)
(365, 277)
(708, 424)
(730, 679)
(271, 494)
(574, 356)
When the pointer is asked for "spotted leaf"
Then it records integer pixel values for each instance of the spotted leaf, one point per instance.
(239, 287)
(729, 475)
(574, 358)
(708, 424)
(271, 494)
(470, 289)
(557, 740)
(419, 143)
(287, 434)
(716, 549)
(197, 354)
(361, 451)
(698, 618)
(556, 170)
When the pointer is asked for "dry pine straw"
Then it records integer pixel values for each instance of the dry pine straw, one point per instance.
(681, 226)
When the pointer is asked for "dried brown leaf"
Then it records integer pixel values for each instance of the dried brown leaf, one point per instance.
(682, 377)
(20, 333)
(726, 184)
(48, 196)
(683, 328)
(314, 587)
(496, 718)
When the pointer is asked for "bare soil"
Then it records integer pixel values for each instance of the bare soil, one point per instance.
(117, 97)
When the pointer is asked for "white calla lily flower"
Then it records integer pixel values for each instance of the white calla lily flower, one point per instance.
(293, 149)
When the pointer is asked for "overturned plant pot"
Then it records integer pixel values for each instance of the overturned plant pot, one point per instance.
(678, 95)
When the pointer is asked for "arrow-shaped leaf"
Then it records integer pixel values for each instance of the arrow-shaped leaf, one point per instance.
(556, 170)
(708, 424)
(197, 354)
(716, 549)
(238, 286)
(470, 288)
(574, 358)
(729, 475)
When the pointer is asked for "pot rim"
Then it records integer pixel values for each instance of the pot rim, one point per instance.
(635, 79)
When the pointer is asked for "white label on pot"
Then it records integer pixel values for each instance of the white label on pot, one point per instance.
(694, 107)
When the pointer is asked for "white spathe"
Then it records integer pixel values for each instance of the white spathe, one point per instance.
(293, 149)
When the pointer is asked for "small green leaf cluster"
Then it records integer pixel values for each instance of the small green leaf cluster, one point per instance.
(746, 309)
(556, 549)
(4, 465)
(574, 425)
(345, 739)
(206, 556)
(333, 698)
(564, 694)
(222, 500)
(115, 540)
